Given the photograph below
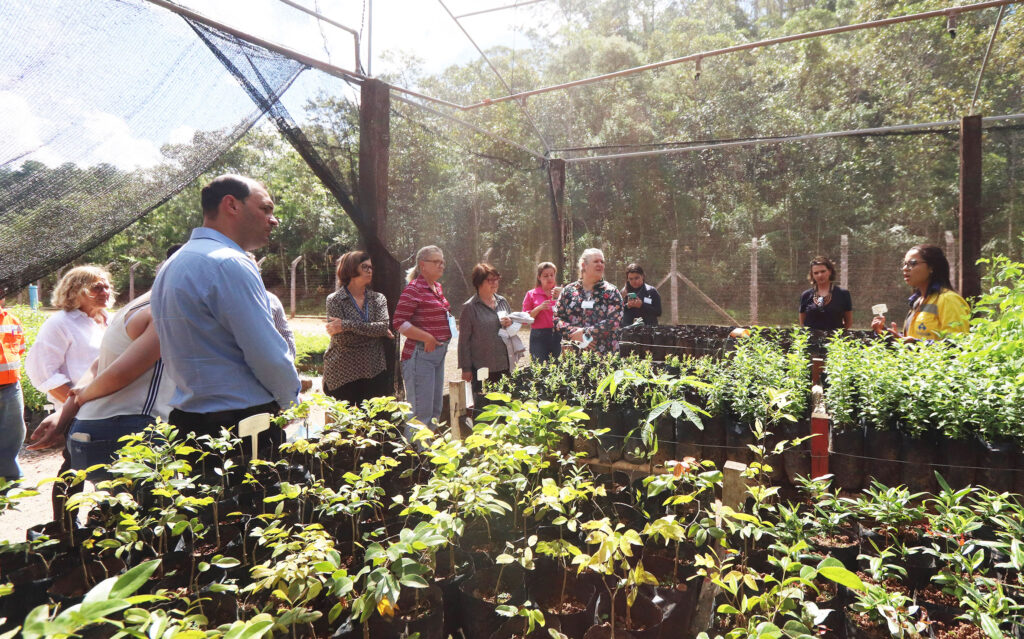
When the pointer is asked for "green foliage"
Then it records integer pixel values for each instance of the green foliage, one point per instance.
(309, 352)
(960, 387)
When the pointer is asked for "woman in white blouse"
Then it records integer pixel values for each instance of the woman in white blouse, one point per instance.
(69, 341)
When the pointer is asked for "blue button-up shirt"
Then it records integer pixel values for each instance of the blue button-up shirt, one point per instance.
(217, 338)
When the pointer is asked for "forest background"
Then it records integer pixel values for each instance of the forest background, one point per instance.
(480, 198)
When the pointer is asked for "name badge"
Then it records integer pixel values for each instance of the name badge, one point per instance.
(588, 305)
(647, 300)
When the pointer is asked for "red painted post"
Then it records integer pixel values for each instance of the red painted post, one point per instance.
(819, 444)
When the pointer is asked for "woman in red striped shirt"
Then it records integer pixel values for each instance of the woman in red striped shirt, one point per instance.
(423, 317)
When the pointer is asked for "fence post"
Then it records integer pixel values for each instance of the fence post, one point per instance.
(131, 280)
(844, 261)
(753, 281)
(295, 263)
(673, 263)
(951, 256)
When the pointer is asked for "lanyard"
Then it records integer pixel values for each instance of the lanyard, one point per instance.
(363, 313)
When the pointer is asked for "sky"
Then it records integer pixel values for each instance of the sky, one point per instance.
(421, 27)
(66, 90)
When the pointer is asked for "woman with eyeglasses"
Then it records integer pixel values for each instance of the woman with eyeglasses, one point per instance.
(357, 321)
(423, 316)
(483, 316)
(69, 341)
(935, 307)
(825, 306)
(67, 344)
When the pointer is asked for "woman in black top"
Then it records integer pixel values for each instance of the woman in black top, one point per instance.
(825, 306)
(641, 299)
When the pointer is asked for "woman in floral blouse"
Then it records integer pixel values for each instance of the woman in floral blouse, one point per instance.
(590, 309)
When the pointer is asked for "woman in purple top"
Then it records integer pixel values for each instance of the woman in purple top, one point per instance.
(545, 342)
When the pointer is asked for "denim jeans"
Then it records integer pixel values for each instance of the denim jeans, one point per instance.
(424, 383)
(12, 429)
(545, 343)
(104, 435)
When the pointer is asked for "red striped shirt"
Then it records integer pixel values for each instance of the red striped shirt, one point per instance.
(424, 309)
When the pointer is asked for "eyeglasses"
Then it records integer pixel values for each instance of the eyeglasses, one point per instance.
(494, 279)
(438, 262)
(366, 268)
(913, 263)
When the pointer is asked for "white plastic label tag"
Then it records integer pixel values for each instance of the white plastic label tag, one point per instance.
(588, 305)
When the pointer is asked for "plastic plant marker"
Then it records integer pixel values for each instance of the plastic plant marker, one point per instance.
(879, 309)
(252, 427)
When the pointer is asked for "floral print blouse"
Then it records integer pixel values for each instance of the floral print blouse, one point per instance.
(598, 310)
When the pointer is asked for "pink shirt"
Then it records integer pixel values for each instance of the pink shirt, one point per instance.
(533, 299)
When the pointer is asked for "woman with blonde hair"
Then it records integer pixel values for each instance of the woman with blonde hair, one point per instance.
(68, 343)
(69, 340)
(423, 316)
(590, 309)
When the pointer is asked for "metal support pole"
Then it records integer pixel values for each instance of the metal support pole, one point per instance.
(295, 263)
(753, 281)
(970, 205)
(844, 261)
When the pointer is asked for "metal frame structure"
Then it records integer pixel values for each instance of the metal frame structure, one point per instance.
(521, 97)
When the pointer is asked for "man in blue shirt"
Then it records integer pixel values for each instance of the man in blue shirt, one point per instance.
(213, 317)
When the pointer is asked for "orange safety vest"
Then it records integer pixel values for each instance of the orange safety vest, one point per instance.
(12, 348)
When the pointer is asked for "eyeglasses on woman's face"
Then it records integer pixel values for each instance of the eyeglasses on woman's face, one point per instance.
(494, 279)
(438, 262)
(366, 267)
(909, 264)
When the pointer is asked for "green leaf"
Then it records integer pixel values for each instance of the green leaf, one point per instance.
(843, 577)
(123, 586)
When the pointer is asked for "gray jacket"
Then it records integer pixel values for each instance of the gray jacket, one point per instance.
(480, 346)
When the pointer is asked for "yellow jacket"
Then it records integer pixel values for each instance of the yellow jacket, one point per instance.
(942, 312)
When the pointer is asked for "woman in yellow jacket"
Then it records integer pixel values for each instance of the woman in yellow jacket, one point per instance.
(935, 308)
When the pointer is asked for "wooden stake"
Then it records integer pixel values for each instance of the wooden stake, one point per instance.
(734, 484)
(456, 407)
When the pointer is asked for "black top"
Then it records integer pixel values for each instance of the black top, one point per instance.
(830, 316)
(650, 310)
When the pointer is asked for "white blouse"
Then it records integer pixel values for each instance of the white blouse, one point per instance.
(66, 346)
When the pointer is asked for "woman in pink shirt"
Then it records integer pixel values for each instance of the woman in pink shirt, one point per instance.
(545, 341)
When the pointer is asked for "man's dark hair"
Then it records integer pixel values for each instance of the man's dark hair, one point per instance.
(171, 250)
(224, 185)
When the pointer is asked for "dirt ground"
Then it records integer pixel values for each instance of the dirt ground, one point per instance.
(39, 465)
